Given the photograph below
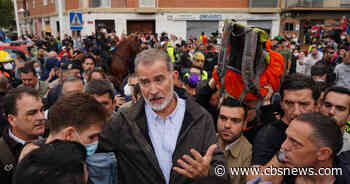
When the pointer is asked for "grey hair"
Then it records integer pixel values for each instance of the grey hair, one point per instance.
(149, 56)
(71, 79)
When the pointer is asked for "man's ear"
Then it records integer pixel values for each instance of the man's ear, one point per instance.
(324, 153)
(69, 134)
(11, 119)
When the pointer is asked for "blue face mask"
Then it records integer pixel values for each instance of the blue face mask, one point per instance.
(37, 70)
(90, 148)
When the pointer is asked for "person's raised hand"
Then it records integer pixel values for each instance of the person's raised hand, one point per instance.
(197, 166)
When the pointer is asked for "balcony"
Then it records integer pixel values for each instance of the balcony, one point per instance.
(315, 4)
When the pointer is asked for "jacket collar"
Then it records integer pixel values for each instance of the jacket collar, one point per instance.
(14, 146)
(235, 148)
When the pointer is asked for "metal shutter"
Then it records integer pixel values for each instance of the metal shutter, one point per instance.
(195, 28)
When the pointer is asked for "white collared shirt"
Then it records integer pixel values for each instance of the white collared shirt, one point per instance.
(164, 133)
(230, 145)
(21, 141)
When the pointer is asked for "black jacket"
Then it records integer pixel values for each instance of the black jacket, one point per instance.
(268, 141)
(127, 136)
(15, 148)
(203, 98)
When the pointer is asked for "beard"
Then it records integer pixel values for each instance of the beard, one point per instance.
(161, 106)
(230, 140)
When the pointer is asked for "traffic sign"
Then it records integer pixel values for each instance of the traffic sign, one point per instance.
(76, 20)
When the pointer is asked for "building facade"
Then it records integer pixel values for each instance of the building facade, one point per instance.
(297, 15)
(179, 17)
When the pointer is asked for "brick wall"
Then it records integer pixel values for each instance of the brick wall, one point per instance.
(71, 4)
(187, 3)
(132, 3)
(117, 3)
(203, 4)
(289, 20)
(40, 9)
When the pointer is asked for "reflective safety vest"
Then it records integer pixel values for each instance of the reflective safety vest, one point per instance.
(171, 54)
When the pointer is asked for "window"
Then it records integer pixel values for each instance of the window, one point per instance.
(33, 3)
(147, 3)
(263, 3)
(289, 27)
(101, 3)
(52, 1)
(345, 3)
(45, 2)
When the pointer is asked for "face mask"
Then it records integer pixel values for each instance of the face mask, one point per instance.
(90, 148)
(37, 69)
(343, 37)
(193, 80)
(296, 54)
(127, 90)
(8, 66)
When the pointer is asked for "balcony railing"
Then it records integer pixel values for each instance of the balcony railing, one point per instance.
(315, 3)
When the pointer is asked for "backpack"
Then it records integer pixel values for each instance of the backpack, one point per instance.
(246, 63)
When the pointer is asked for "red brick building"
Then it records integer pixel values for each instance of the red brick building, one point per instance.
(183, 18)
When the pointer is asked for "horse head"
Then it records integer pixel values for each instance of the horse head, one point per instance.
(123, 59)
(135, 44)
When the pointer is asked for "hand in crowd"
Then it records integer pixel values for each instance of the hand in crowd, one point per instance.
(269, 94)
(197, 167)
(119, 100)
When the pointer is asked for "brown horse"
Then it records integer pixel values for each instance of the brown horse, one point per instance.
(123, 60)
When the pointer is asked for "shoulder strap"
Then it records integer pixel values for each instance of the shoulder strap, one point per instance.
(6, 156)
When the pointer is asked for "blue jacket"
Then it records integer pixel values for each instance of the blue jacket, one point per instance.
(102, 168)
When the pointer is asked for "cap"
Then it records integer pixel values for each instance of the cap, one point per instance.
(5, 57)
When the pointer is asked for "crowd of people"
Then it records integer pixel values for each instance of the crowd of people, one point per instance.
(64, 120)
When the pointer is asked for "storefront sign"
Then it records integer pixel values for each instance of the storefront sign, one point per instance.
(210, 17)
(185, 17)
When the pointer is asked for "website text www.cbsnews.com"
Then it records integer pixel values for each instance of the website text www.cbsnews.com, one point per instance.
(220, 170)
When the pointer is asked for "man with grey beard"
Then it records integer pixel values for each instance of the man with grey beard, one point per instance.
(165, 137)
